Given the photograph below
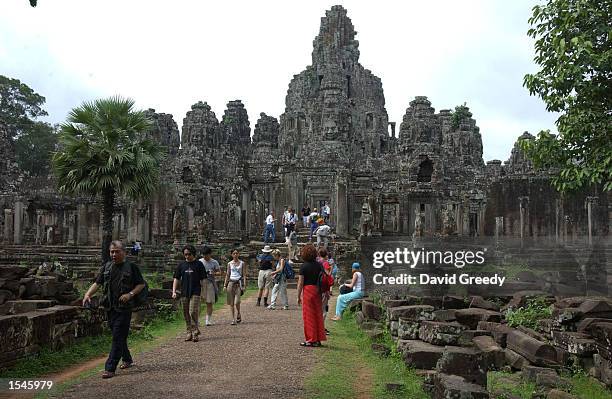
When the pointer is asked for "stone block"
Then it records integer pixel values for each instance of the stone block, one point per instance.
(375, 333)
(157, 293)
(575, 343)
(453, 386)
(6, 295)
(440, 332)
(64, 334)
(12, 272)
(354, 305)
(15, 332)
(465, 339)
(493, 354)
(515, 360)
(48, 286)
(371, 310)
(410, 300)
(444, 315)
(470, 317)
(16, 307)
(479, 302)
(531, 333)
(603, 368)
(590, 307)
(359, 318)
(408, 329)
(558, 394)
(10, 285)
(468, 363)
(63, 313)
(537, 352)
(602, 333)
(567, 315)
(394, 328)
(584, 326)
(412, 312)
(530, 373)
(453, 302)
(42, 327)
(419, 354)
(499, 331)
(381, 349)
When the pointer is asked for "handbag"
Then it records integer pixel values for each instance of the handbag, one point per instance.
(345, 289)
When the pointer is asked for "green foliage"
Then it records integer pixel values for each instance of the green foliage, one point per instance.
(19, 105)
(103, 146)
(34, 147)
(574, 50)
(506, 385)
(528, 315)
(461, 112)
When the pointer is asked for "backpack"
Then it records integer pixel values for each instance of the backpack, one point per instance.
(324, 281)
(288, 270)
(137, 300)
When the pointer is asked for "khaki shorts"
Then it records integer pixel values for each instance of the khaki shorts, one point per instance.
(233, 293)
(264, 280)
(208, 292)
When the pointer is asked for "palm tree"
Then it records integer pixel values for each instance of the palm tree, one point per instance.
(104, 151)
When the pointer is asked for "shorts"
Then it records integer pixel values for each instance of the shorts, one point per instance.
(264, 280)
(208, 292)
(233, 293)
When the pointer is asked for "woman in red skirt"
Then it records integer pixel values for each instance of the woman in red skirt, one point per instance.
(309, 296)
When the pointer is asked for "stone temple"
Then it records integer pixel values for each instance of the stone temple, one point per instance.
(334, 142)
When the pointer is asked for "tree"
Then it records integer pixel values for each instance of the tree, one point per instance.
(574, 50)
(104, 151)
(33, 148)
(19, 104)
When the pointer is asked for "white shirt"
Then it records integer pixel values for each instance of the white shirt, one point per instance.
(211, 265)
(359, 283)
(325, 210)
(270, 219)
(312, 216)
(235, 270)
(291, 218)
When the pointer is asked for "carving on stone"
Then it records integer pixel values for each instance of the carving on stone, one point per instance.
(366, 219)
(418, 224)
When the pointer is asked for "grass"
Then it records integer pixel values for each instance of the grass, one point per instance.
(348, 366)
(580, 385)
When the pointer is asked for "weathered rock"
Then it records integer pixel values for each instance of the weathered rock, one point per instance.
(42, 324)
(408, 329)
(602, 333)
(515, 360)
(410, 300)
(380, 349)
(537, 352)
(354, 305)
(468, 363)
(412, 312)
(531, 333)
(558, 394)
(498, 330)
(444, 315)
(592, 307)
(6, 295)
(419, 354)
(520, 299)
(440, 333)
(480, 302)
(465, 339)
(567, 315)
(454, 386)
(453, 302)
(530, 373)
(12, 272)
(359, 318)
(157, 293)
(603, 369)
(493, 353)
(394, 327)
(584, 326)
(48, 286)
(23, 306)
(371, 310)
(63, 314)
(575, 343)
(15, 332)
(375, 333)
(470, 317)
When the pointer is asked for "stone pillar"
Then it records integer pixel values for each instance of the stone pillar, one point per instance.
(246, 205)
(499, 227)
(39, 226)
(8, 226)
(18, 223)
(557, 216)
(589, 206)
(341, 211)
(523, 207)
(72, 233)
(82, 232)
(140, 224)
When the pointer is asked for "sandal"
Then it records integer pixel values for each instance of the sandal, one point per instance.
(124, 365)
(238, 319)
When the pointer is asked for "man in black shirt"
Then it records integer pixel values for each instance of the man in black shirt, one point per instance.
(121, 281)
(191, 273)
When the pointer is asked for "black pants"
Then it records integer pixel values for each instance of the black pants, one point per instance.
(119, 323)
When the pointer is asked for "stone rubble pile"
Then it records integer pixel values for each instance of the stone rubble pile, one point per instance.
(454, 341)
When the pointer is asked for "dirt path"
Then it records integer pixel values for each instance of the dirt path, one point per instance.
(260, 357)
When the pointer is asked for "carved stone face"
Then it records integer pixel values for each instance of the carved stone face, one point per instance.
(330, 130)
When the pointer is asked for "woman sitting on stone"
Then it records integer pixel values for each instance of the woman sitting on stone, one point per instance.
(357, 285)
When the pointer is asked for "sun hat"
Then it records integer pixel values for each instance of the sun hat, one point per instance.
(356, 265)
(266, 249)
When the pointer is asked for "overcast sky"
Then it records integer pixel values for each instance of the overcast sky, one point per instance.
(168, 55)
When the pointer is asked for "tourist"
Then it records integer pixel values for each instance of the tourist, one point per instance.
(322, 232)
(284, 219)
(191, 275)
(137, 248)
(313, 220)
(292, 246)
(323, 259)
(305, 214)
(325, 211)
(235, 284)
(356, 285)
(121, 281)
(309, 296)
(269, 229)
(210, 290)
(280, 282)
(291, 221)
(264, 282)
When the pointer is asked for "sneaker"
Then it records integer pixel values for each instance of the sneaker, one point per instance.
(189, 337)
(233, 322)
(286, 307)
(209, 323)
(271, 307)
